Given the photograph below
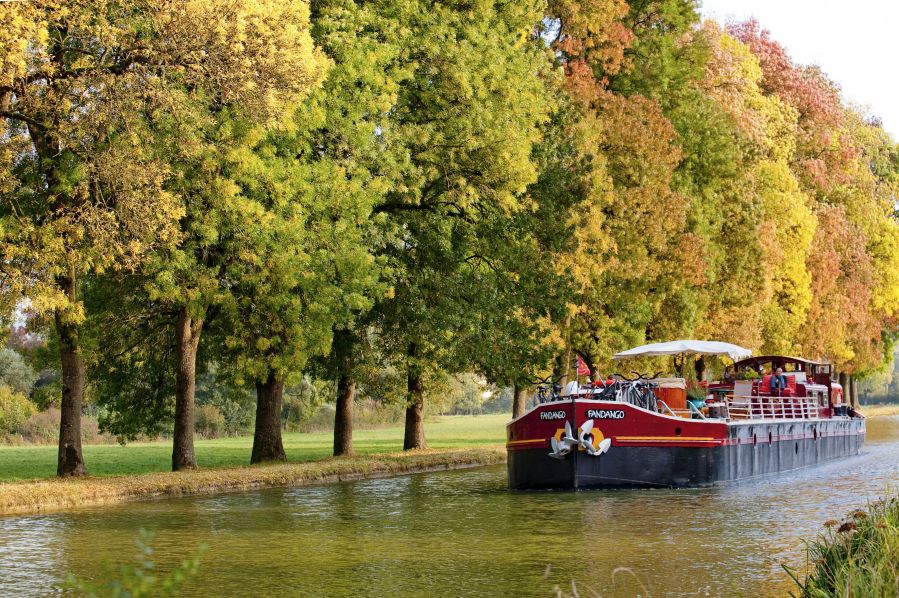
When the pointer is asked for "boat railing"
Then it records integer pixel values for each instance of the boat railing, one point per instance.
(663, 407)
(771, 407)
(694, 410)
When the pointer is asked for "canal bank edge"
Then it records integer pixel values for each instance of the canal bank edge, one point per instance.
(41, 496)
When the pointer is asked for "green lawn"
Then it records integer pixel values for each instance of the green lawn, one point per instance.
(31, 462)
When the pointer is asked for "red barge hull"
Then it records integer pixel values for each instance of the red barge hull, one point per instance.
(648, 449)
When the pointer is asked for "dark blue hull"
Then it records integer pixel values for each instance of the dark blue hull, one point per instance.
(752, 449)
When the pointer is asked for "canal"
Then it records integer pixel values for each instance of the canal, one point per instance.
(463, 533)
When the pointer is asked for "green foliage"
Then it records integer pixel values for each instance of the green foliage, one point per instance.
(138, 580)
(236, 405)
(15, 372)
(304, 400)
(15, 409)
(47, 390)
(462, 394)
(209, 421)
(130, 357)
(660, 65)
(883, 385)
(468, 118)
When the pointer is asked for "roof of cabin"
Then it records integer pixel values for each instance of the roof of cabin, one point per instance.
(776, 358)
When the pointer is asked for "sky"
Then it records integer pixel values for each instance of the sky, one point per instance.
(855, 43)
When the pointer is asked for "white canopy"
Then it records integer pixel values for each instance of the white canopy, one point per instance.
(689, 347)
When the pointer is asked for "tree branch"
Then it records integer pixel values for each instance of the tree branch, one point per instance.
(22, 118)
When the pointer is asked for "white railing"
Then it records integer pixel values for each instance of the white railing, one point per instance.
(695, 410)
(739, 407)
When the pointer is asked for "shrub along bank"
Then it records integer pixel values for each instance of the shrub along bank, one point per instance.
(858, 556)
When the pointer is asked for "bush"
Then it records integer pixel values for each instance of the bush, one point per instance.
(234, 403)
(303, 403)
(369, 412)
(210, 422)
(42, 427)
(90, 431)
(856, 557)
(15, 409)
(15, 373)
(321, 420)
(47, 392)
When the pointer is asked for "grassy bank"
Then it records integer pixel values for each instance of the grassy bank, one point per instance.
(881, 410)
(858, 556)
(54, 494)
(448, 432)
(120, 473)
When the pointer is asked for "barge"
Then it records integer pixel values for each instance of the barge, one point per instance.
(644, 433)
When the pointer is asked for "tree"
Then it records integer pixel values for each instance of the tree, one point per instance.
(276, 65)
(634, 258)
(455, 108)
(342, 136)
(106, 110)
(80, 192)
(468, 119)
(306, 273)
(845, 166)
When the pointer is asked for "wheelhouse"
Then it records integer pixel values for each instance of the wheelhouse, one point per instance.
(808, 380)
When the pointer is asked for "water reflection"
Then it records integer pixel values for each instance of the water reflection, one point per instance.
(464, 533)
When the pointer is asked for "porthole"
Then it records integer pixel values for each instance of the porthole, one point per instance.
(678, 431)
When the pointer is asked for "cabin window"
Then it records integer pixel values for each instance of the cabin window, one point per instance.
(822, 399)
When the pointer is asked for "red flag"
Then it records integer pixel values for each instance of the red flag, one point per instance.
(582, 369)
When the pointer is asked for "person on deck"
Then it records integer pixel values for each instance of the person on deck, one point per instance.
(778, 382)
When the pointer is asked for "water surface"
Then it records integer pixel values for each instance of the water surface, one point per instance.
(463, 533)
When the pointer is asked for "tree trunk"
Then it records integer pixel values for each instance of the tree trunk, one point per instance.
(188, 331)
(267, 445)
(699, 368)
(346, 393)
(560, 371)
(415, 431)
(844, 382)
(519, 403)
(70, 460)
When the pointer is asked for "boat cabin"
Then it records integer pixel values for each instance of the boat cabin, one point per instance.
(744, 393)
(810, 387)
